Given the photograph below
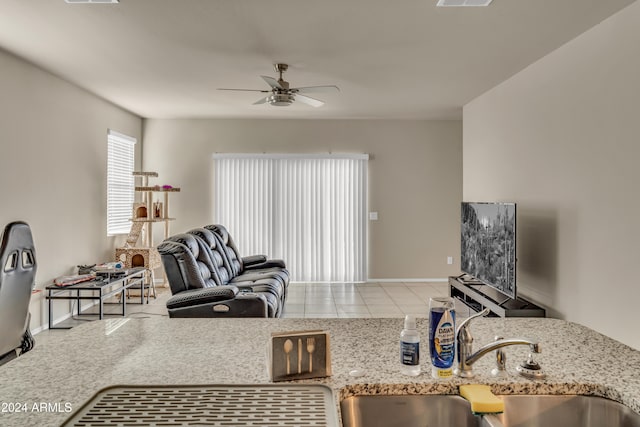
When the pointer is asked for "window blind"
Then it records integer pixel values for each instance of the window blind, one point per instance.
(120, 182)
(307, 210)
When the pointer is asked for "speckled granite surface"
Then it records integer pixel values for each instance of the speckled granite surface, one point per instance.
(67, 372)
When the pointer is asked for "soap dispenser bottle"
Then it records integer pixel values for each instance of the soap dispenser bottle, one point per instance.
(410, 347)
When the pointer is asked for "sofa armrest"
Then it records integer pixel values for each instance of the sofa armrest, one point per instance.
(202, 296)
(250, 260)
(219, 301)
(272, 263)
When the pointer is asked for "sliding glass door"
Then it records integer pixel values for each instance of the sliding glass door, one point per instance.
(309, 210)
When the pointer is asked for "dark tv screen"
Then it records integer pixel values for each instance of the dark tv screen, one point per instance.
(488, 232)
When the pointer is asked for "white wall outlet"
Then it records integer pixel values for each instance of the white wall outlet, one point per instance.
(449, 260)
(373, 216)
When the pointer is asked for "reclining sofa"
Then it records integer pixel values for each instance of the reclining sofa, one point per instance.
(209, 278)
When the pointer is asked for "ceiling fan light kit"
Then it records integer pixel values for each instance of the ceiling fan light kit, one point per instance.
(282, 95)
(280, 99)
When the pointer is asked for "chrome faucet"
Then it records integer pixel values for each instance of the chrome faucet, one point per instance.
(466, 356)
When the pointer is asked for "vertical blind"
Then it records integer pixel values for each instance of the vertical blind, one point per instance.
(120, 182)
(308, 210)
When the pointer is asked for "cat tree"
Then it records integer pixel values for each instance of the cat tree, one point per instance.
(144, 215)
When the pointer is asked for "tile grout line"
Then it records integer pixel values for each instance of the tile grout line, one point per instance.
(392, 300)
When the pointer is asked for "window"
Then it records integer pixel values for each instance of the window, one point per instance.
(120, 182)
(309, 210)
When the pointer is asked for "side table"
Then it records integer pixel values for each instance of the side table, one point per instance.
(97, 290)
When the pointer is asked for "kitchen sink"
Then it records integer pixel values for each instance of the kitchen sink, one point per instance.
(451, 410)
(407, 411)
(562, 410)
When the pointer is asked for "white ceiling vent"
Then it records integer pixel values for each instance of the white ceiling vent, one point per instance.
(92, 1)
(464, 2)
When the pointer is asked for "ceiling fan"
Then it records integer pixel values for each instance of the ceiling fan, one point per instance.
(281, 95)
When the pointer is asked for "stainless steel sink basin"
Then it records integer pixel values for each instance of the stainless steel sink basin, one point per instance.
(407, 411)
(520, 411)
(566, 411)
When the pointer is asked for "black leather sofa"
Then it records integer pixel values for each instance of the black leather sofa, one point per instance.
(250, 267)
(209, 278)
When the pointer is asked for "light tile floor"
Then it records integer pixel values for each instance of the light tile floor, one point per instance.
(314, 300)
(325, 300)
(155, 308)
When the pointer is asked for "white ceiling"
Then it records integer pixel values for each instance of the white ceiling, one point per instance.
(391, 59)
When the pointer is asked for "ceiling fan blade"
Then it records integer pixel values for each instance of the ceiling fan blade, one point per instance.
(247, 90)
(316, 89)
(261, 101)
(272, 82)
(309, 101)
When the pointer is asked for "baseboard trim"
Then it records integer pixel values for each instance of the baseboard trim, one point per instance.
(324, 283)
(407, 280)
(438, 279)
(39, 329)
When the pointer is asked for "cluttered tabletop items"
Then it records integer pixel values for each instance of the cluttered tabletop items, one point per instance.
(108, 270)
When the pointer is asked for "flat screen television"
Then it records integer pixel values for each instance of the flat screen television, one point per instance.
(488, 244)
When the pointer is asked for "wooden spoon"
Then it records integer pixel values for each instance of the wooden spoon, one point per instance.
(288, 346)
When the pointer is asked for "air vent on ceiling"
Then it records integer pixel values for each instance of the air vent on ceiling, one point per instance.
(92, 1)
(464, 2)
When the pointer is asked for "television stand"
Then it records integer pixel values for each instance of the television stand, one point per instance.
(478, 296)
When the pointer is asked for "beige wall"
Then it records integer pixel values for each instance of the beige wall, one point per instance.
(562, 139)
(415, 180)
(53, 138)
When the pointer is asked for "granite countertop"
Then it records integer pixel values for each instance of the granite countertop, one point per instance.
(162, 351)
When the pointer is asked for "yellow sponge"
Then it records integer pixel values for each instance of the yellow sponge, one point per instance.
(482, 400)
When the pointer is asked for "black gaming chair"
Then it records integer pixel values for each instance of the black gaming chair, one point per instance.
(17, 280)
